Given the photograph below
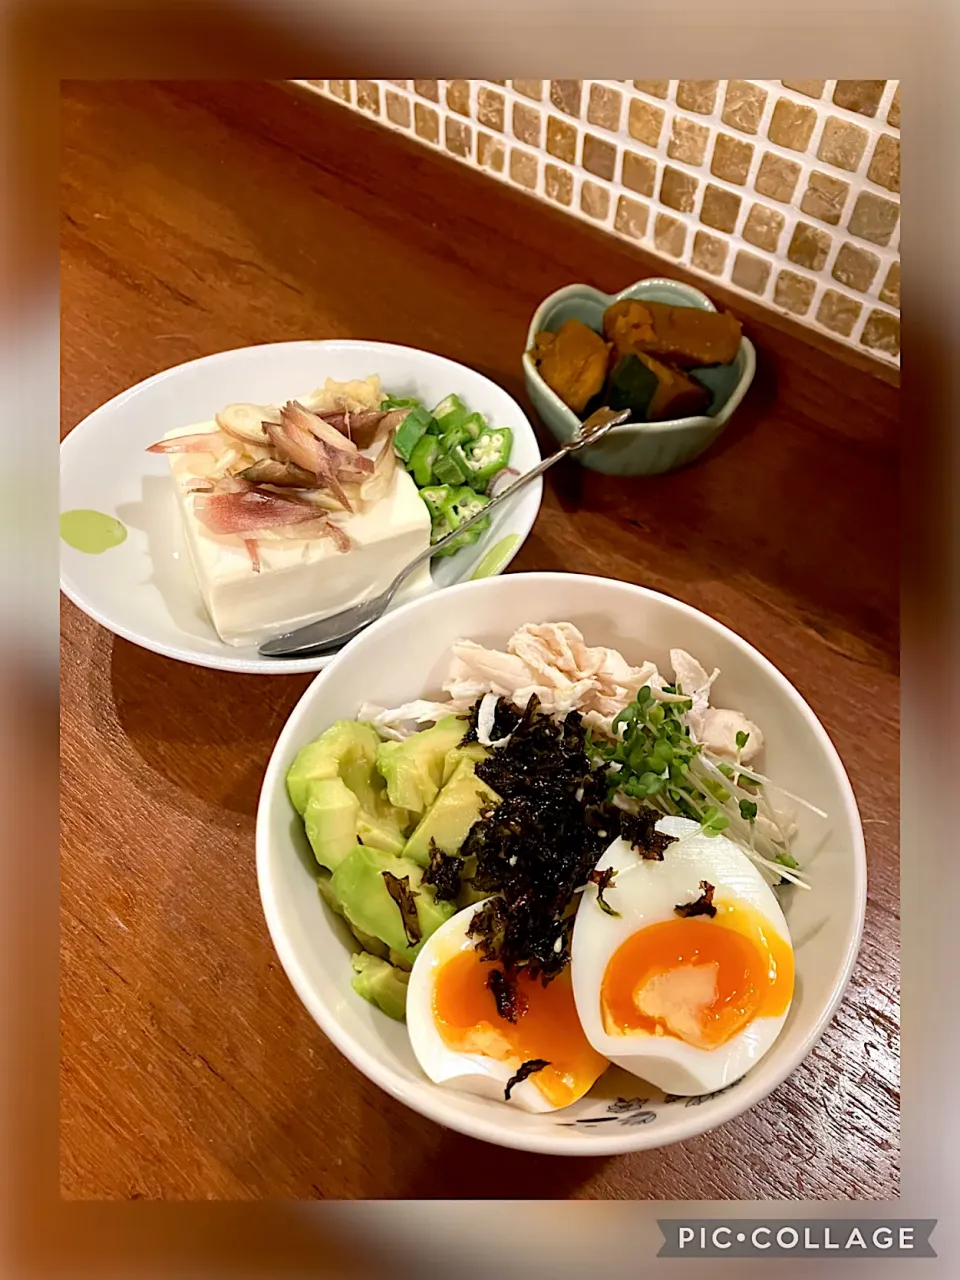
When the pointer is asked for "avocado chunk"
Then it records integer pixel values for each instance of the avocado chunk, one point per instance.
(329, 896)
(359, 884)
(413, 769)
(347, 750)
(381, 984)
(382, 831)
(452, 814)
(330, 818)
(472, 751)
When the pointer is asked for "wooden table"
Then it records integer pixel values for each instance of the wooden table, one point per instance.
(202, 217)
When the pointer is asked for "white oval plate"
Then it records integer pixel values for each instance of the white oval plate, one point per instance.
(144, 589)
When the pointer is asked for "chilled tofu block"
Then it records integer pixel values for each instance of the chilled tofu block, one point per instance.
(299, 579)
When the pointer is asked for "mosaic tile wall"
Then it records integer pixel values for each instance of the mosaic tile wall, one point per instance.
(784, 190)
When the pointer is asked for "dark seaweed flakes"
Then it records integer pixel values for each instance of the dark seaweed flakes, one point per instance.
(540, 844)
(703, 906)
(399, 890)
(523, 1071)
(509, 999)
(444, 873)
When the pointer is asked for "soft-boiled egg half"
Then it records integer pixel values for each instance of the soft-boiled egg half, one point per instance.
(688, 1002)
(461, 1040)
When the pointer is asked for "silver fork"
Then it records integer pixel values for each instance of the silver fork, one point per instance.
(331, 633)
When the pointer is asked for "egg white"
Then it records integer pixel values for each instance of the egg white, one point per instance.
(645, 893)
(468, 1072)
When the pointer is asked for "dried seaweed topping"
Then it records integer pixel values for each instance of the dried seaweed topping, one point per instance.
(639, 831)
(399, 889)
(603, 880)
(703, 905)
(540, 844)
(525, 1069)
(444, 873)
(489, 927)
(505, 720)
(509, 1000)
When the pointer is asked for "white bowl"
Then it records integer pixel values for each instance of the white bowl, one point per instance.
(405, 656)
(144, 589)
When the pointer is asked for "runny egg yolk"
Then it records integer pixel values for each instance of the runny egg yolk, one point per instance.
(698, 979)
(547, 1026)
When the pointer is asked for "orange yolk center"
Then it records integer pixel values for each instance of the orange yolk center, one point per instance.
(547, 1026)
(699, 980)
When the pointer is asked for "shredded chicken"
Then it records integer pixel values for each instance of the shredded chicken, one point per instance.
(553, 661)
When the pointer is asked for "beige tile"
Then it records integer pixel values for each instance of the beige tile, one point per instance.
(777, 177)
(882, 332)
(426, 122)
(893, 115)
(595, 200)
(731, 158)
(794, 293)
(523, 168)
(342, 89)
(873, 218)
(743, 105)
(842, 143)
(428, 89)
(890, 293)
(669, 235)
(529, 88)
(632, 218)
(639, 173)
(750, 272)
(561, 139)
(368, 96)
(398, 109)
(502, 82)
(824, 197)
(855, 267)
(809, 246)
(401, 84)
(490, 108)
(763, 227)
(526, 124)
(656, 88)
(678, 190)
(884, 167)
(558, 184)
(839, 312)
(697, 95)
(458, 96)
(599, 156)
(811, 88)
(862, 96)
(719, 208)
(709, 253)
(645, 122)
(565, 96)
(605, 107)
(791, 124)
(459, 137)
(491, 152)
(688, 141)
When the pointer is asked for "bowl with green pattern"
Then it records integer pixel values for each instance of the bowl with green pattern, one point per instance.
(640, 448)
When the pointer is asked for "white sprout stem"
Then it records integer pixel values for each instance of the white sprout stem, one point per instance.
(758, 798)
(768, 782)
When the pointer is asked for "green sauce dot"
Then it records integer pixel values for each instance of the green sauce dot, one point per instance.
(91, 531)
(496, 557)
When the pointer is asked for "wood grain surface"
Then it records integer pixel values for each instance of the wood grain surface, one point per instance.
(204, 216)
